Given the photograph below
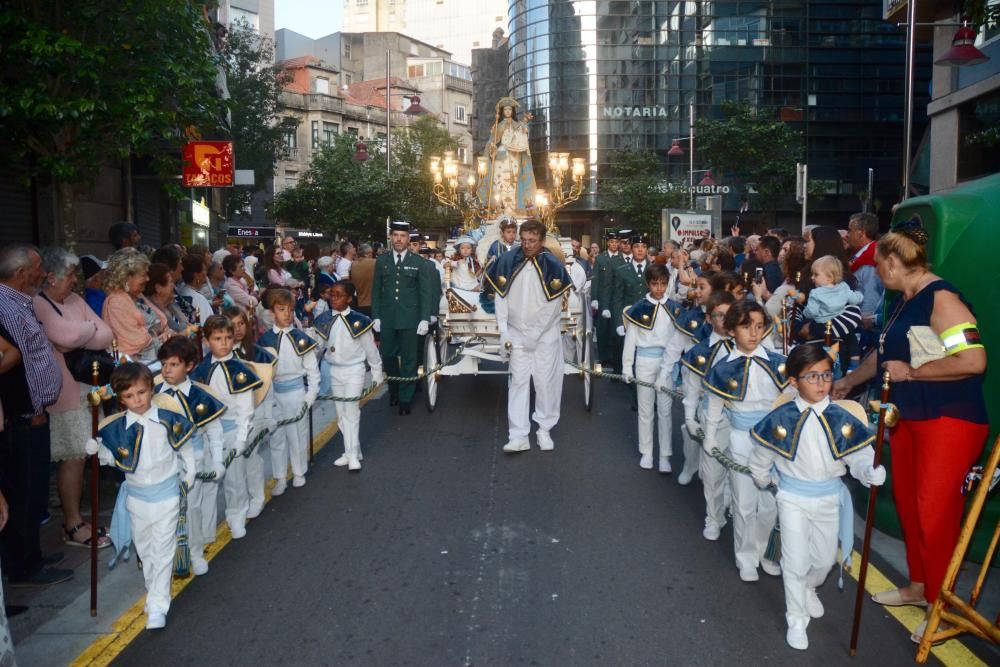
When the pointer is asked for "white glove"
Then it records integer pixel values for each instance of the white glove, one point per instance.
(422, 327)
(628, 377)
(377, 326)
(594, 305)
(92, 446)
(378, 377)
(620, 330)
(873, 476)
(434, 319)
(707, 446)
(606, 314)
(219, 470)
(694, 429)
(505, 346)
(310, 401)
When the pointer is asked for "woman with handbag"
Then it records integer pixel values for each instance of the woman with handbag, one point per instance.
(71, 326)
(931, 348)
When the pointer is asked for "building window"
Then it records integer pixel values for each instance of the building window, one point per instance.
(322, 85)
(415, 71)
(250, 18)
(460, 114)
(330, 130)
(291, 139)
(462, 155)
(347, 49)
(353, 131)
(315, 134)
(291, 178)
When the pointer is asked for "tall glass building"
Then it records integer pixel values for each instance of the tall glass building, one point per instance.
(606, 75)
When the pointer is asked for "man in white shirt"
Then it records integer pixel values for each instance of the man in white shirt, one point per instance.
(345, 260)
(530, 283)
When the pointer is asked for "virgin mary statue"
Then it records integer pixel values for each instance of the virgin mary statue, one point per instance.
(510, 183)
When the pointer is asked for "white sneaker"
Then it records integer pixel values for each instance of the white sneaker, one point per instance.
(665, 465)
(199, 566)
(238, 531)
(711, 532)
(749, 574)
(797, 638)
(517, 445)
(813, 604)
(298, 481)
(685, 477)
(354, 464)
(255, 509)
(770, 567)
(280, 484)
(156, 620)
(646, 462)
(545, 441)
(341, 461)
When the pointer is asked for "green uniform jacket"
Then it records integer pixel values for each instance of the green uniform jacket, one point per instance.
(629, 287)
(602, 282)
(402, 298)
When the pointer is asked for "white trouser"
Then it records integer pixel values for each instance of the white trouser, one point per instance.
(809, 529)
(543, 367)
(154, 531)
(202, 508)
(692, 454)
(653, 403)
(348, 381)
(754, 510)
(294, 447)
(234, 484)
(263, 418)
(714, 479)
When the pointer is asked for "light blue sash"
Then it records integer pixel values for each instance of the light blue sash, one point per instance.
(287, 386)
(228, 425)
(652, 352)
(745, 420)
(121, 526)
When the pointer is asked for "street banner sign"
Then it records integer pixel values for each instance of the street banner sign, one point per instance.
(685, 226)
(208, 164)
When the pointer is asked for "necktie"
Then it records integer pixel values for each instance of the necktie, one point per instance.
(171, 391)
(399, 260)
(638, 270)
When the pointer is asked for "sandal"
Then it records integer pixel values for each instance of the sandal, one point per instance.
(894, 598)
(70, 537)
(918, 633)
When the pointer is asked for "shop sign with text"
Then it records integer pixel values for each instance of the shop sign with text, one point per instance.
(208, 164)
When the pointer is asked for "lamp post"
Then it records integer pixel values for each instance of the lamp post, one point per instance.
(676, 150)
(450, 193)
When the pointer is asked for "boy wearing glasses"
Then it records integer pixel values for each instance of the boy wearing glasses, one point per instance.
(810, 441)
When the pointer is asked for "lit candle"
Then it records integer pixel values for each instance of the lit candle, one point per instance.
(481, 166)
(578, 167)
(563, 161)
(472, 182)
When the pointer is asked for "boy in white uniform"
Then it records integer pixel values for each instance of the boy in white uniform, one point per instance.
(150, 445)
(296, 361)
(748, 379)
(811, 441)
(348, 342)
(233, 382)
(647, 328)
(178, 356)
(695, 363)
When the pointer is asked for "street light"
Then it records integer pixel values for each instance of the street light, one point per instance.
(963, 49)
(676, 150)
(707, 179)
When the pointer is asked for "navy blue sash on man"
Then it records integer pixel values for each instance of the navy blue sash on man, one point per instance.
(555, 279)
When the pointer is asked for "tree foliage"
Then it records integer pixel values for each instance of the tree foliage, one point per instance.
(752, 151)
(341, 195)
(88, 79)
(636, 190)
(255, 83)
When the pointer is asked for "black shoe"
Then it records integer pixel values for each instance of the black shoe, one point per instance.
(44, 577)
(13, 610)
(393, 400)
(53, 558)
(404, 409)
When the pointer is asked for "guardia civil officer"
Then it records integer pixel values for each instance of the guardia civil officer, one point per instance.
(601, 285)
(402, 292)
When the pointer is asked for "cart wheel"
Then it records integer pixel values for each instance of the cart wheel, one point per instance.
(588, 362)
(431, 360)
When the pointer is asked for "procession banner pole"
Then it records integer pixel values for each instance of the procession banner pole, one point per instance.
(870, 518)
(95, 403)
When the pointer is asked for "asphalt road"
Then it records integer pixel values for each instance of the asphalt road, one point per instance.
(446, 551)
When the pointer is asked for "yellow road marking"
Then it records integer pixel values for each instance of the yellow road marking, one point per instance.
(951, 653)
(128, 626)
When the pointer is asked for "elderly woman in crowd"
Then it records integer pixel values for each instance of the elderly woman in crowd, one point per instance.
(159, 295)
(236, 288)
(943, 423)
(70, 325)
(130, 319)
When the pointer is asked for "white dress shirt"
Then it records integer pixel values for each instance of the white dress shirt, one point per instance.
(290, 365)
(239, 407)
(157, 459)
(636, 336)
(526, 311)
(212, 431)
(343, 349)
